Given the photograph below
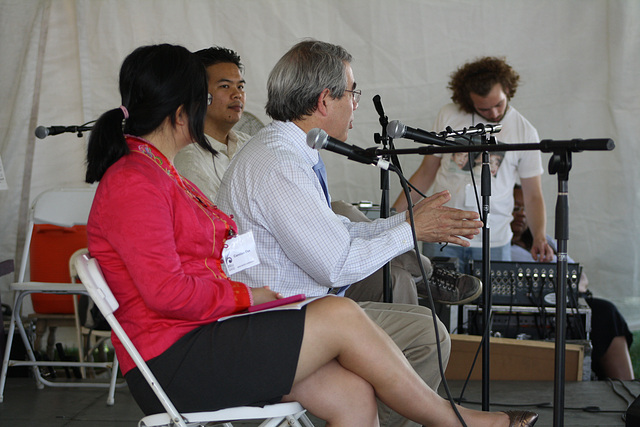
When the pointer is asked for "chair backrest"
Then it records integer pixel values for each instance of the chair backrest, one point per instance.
(248, 123)
(92, 278)
(72, 263)
(63, 207)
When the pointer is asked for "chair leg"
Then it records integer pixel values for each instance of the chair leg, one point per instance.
(15, 319)
(40, 331)
(5, 360)
(83, 371)
(112, 384)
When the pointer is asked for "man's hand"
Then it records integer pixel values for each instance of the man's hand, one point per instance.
(437, 223)
(265, 294)
(541, 251)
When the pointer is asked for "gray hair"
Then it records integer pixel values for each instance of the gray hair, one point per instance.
(300, 76)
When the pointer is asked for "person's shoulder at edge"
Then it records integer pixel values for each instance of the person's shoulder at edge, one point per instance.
(188, 154)
(449, 114)
(242, 137)
(277, 139)
(514, 114)
(449, 109)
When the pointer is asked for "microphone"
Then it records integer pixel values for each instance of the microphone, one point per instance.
(480, 128)
(42, 132)
(396, 129)
(319, 139)
(485, 128)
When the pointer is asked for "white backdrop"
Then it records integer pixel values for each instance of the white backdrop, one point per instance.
(578, 60)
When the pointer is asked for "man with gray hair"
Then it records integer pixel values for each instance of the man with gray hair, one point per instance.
(276, 188)
(227, 99)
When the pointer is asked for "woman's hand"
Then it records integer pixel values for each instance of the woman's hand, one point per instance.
(264, 294)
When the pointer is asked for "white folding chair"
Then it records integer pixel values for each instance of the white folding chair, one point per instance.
(63, 207)
(85, 333)
(290, 413)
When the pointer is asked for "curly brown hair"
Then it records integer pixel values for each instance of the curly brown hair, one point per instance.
(479, 77)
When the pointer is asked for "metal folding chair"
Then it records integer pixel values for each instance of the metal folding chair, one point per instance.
(64, 207)
(290, 413)
(85, 333)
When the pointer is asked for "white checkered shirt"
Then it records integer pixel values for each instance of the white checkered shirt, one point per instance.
(271, 189)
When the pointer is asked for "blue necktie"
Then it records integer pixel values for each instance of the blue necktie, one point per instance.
(321, 172)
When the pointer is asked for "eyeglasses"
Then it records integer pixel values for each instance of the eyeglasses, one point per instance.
(209, 99)
(356, 95)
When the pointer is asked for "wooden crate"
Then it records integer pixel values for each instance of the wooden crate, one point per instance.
(511, 359)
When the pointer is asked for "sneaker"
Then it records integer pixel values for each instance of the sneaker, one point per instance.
(450, 287)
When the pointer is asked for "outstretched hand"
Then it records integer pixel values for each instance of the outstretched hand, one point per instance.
(541, 251)
(437, 223)
(261, 295)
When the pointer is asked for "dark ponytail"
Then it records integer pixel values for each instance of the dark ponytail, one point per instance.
(106, 144)
(154, 82)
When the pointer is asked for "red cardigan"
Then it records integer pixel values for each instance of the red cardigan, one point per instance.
(159, 240)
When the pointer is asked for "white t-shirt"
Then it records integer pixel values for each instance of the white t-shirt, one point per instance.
(453, 173)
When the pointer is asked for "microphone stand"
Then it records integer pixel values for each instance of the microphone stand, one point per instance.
(485, 192)
(42, 132)
(559, 163)
(385, 207)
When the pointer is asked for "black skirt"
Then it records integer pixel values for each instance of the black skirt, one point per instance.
(243, 361)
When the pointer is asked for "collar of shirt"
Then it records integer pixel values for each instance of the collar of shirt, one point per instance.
(227, 149)
(298, 138)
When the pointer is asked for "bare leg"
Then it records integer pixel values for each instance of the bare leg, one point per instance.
(616, 361)
(338, 396)
(335, 328)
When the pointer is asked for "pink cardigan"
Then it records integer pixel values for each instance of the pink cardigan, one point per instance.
(159, 240)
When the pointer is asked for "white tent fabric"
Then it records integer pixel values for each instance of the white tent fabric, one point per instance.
(578, 60)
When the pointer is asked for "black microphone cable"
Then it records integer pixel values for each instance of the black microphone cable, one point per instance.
(434, 317)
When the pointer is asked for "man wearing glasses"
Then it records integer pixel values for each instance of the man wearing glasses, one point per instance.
(226, 99)
(276, 188)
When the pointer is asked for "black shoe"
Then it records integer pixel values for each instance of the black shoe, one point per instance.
(450, 287)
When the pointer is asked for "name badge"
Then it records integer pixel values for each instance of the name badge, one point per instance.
(240, 253)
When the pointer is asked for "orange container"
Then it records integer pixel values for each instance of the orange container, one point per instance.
(51, 248)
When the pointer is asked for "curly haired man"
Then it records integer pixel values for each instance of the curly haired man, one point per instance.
(481, 93)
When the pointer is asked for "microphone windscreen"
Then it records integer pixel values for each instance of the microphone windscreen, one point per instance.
(316, 138)
(395, 129)
(42, 132)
